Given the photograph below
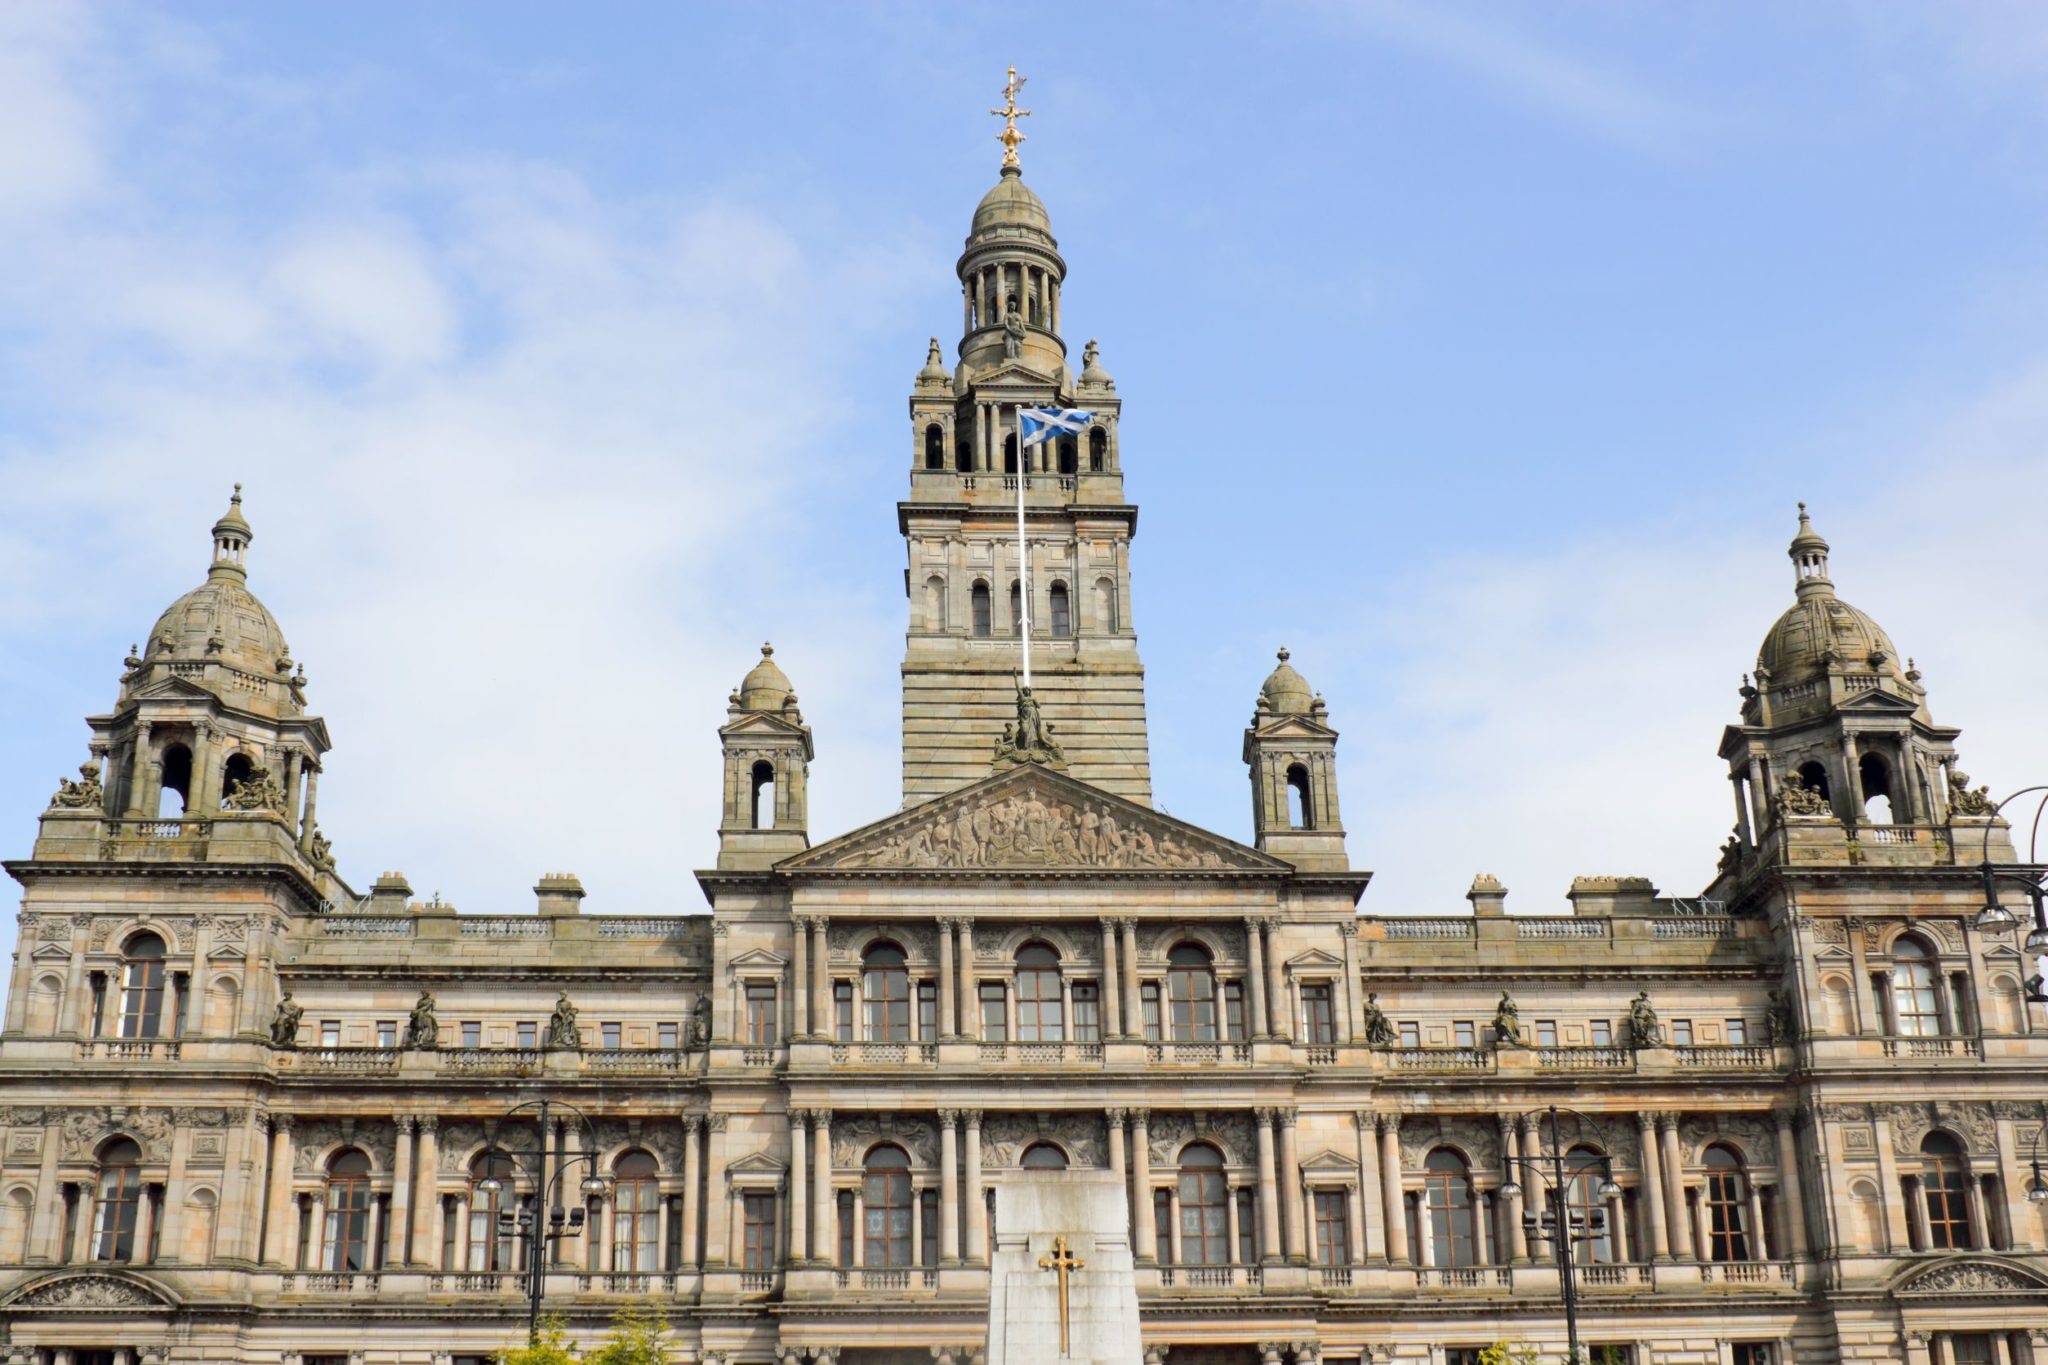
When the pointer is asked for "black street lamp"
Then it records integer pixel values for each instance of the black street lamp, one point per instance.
(562, 1223)
(1994, 916)
(1563, 1232)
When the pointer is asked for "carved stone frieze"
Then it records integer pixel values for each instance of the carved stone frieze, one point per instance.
(1972, 1277)
(1230, 1130)
(1478, 1138)
(852, 1136)
(83, 1130)
(1005, 1136)
(1828, 932)
(1755, 1136)
(88, 1291)
(917, 940)
(1911, 1122)
(1845, 1113)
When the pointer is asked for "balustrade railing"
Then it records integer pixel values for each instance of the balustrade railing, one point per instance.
(1441, 1059)
(1693, 926)
(636, 1061)
(477, 1061)
(1561, 928)
(1209, 1277)
(360, 1060)
(1922, 1048)
(1428, 928)
(1728, 1057)
(1586, 1058)
(131, 1049)
(1465, 1277)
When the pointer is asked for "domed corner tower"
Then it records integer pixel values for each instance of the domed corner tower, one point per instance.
(768, 754)
(963, 655)
(209, 754)
(1836, 757)
(1291, 753)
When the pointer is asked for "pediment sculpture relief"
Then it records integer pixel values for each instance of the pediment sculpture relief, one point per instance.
(1030, 829)
(88, 1291)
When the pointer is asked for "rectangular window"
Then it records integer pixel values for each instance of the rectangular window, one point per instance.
(928, 1011)
(1753, 1353)
(1681, 1033)
(529, 1035)
(472, 1034)
(1162, 1225)
(614, 1036)
(761, 1013)
(323, 1360)
(846, 1228)
(1463, 1355)
(1148, 1008)
(1602, 1033)
(1464, 1033)
(1736, 1030)
(995, 1022)
(1247, 1229)
(842, 1011)
(1969, 1348)
(451, 1234)
(1411, 1034)
(758, 1238)
(1611, 1353)
(387, 1033)
(1233, 1011)
(1546, 1033)
(668, 1037)
(330, 1033)
(1333, 1245)
(1318, 1015)
(1087, 1012)
(928, 1219)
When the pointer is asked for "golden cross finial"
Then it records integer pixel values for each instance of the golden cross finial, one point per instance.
(1010, 113)
(1061, 1262)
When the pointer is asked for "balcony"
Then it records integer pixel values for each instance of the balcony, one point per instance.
(1730, 1057)
(478, 1061)
(346, 1061)
(131, 1049)
(1923, 1048)
(1441, 1060)
(637, 1061)
(1585, 1059)
(1198, 1054)
(1467, 1278)
(1206, 1278)
(885, 1054)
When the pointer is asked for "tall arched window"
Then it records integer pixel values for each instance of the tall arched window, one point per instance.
(1062, 612)
(885, 1190)
(1041, 1018)
(1300, 810)
(1876, 777)
(1098, 450)
(1941, 1186)
(761, 803)
(174, 794)
(1190, 995)
(1043, 1156)
(1016, 608)
(233, 774)
(1010, 453)
(1204, 1214)
(1447, 1193)
(963, 456)
(490, 1247)
(978, 603)
(935, 447)
(1070, 456)
(935, 603)
(1586, 1173)
(1105, 606)
(118, 1201)
(636, 1213)
(345, 1240)
(1815, 776)
(885, 984)
(1727, 1206)
(1914, 999)
(142, 987)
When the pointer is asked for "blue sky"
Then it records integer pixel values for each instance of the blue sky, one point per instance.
(1476, 352)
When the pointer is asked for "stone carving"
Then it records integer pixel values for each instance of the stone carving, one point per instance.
(231, 931)
(312, 1139)
(54, 928)
(852, 1137)
(422, 1030)
(1231, 1131)
(88, 1291)
(1963, 800)
(1379, 1030)
(1830, 931)
(1013, 330)
(1029, 739)
(284, 1024)
(562, 1025)
(1422, 1133)
(258, 791)
(1643, 1028)
(1007, 1135)
(84, 794)
(1782, 1014)
(1030, 829)
(1971, 1277)
(1794, 797)
(81, 1131)
(1912, 1122)
(1507, 1022)
(700, 1022)
(322, 849)
(1845, 1113)
(103, 927)
(1752, 1136)
(917, 941)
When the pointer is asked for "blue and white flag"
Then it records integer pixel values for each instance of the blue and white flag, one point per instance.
(1042, 424)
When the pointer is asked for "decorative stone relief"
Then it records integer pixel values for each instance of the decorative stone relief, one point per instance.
(1972, 1277)
(1845, 1113)
(1007, 1135)
(231, 930)
(1911, 1123)
(852, 1137)
(1168, 1131)
(82, 1130)
(916, 940)
(1478, 1138)
(1754, 1137)
(1034, 829)
(53, 928)
(1830, 932)
(103, 927)
(88, 1291)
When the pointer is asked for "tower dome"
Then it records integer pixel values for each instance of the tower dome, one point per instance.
(1286, 692)
(766, 687)
(1820, 629)
(1011, 209)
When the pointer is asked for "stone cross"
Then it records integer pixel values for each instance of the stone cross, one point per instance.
(1062, 1262)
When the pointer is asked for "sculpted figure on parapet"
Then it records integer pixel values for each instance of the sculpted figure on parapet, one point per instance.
(1963, 800)
(258, 791)
(562, 1024)
(84, 794)
(1643, 1028)
(422, 1030)
(1029, 738)
(1507, 1022)
(1796, 798)
(284, 1025)
(1379, 1030)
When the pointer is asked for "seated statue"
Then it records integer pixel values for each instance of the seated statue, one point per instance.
(258, 791)
(1962, 800)
(422, 1030)
(1379, 1030)
(1643, 1028)
(284, 1025)
(84, 794)
(1796, 798)
(562, 1024)
(1507, 1022)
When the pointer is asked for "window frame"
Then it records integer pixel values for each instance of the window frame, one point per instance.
(763, 1024)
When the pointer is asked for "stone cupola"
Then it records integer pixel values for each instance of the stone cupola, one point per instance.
(768, 752)
(1292, 754)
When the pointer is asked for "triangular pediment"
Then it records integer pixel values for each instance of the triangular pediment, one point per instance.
(51, 952)
(1031, 817)
(1011, 372)
(226, 952)
(1872, 699)
(1314, 959)
(2004, 951)
(1327, 1160)
(761, 723)
(1293, 727)
(756, 1163)
(1835, 951)
(758, 957)
(174, 689)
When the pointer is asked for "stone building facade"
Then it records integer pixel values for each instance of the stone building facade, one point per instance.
(251, 1114)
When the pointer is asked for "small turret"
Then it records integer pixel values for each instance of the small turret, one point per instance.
(767, 762)
(1292, 753)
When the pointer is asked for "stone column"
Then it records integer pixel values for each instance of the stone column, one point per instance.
(977, 1208)
(821, 1185)
(1173, 1240)
(1788, 1185)
(1144, 1230)
(717, 1217)
(1354, 1003)
(203, 787)
(822, 1023)
(292, 759)
(176, 1188)
(76, 1016)
(949, 999)
(1290, 1177)
(803, 1018)
(1652, 1188)
(1511, 1153)
(1696, 1210)
(970, 1003)
(1671, 1170)
(398, 1222)
(282, 1227)
(1534, 1194)
(139, 784)
(1271, 1249)
(857, 1234)
(1276, 995)
(693, 1180)
(195, 998)
(1118, 1167)
(801, 1224)
(1617, 1229)
(1390, 1188)
(1980, 1222)
(1231, 1228)
(1255, 973)
(1354, 1221)
(1112, 1007)
(426, 1209)
(1483, 1227)
(1372, 1225)
(949, 1187)
(1759, 1241)
(1425, 1232)
(1127, 959)
(312, 803)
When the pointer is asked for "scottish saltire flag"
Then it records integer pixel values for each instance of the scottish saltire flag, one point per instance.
(1042, 424)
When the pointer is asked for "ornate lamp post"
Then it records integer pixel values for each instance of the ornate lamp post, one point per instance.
(561, 1224)
(1555, 1183)
(1994, 916)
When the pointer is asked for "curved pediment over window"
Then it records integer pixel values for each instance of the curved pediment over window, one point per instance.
(94, 1292)
(1969, 1276)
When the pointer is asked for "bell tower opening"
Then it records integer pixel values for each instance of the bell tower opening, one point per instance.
(175, 791)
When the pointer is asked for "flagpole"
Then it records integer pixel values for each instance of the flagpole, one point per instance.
(1023, 553)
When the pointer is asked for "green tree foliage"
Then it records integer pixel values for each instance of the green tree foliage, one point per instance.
(553, 1348)
(635, 1338)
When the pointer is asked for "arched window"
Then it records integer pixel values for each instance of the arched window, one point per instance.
(935, 447)
(490, 1246)
(1070, 455)
(1098, 450)
(1016, 608)
(1447, 1192)
(174, 795)
(1300, 810)
(1105, 606)
(1586, 1173)
(978, 603)
(885, 1190)
(1914, 1000)
(963, 456)
(935, 603)
(1941, 1185)
(1876, 776)
(1727, 1207)
(142, 987)
(1815, 776)
(233, 774)
(1010, 453)
(1204, 1215)
(345, 1241)
(118, 1201)
(761, 807)
(885, 985)
(1043, 1156)
(636, 1213)
(1040, 1015)
(1062, 612)
(1191, 995)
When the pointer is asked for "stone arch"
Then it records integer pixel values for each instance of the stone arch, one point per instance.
(1053, 936)
(223, 1005)
(45, 1004)
(17, 1219)
(202, 1213)
(1868, 1204)
(1205, 937)
(1970, 1273)
(96, 1290)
